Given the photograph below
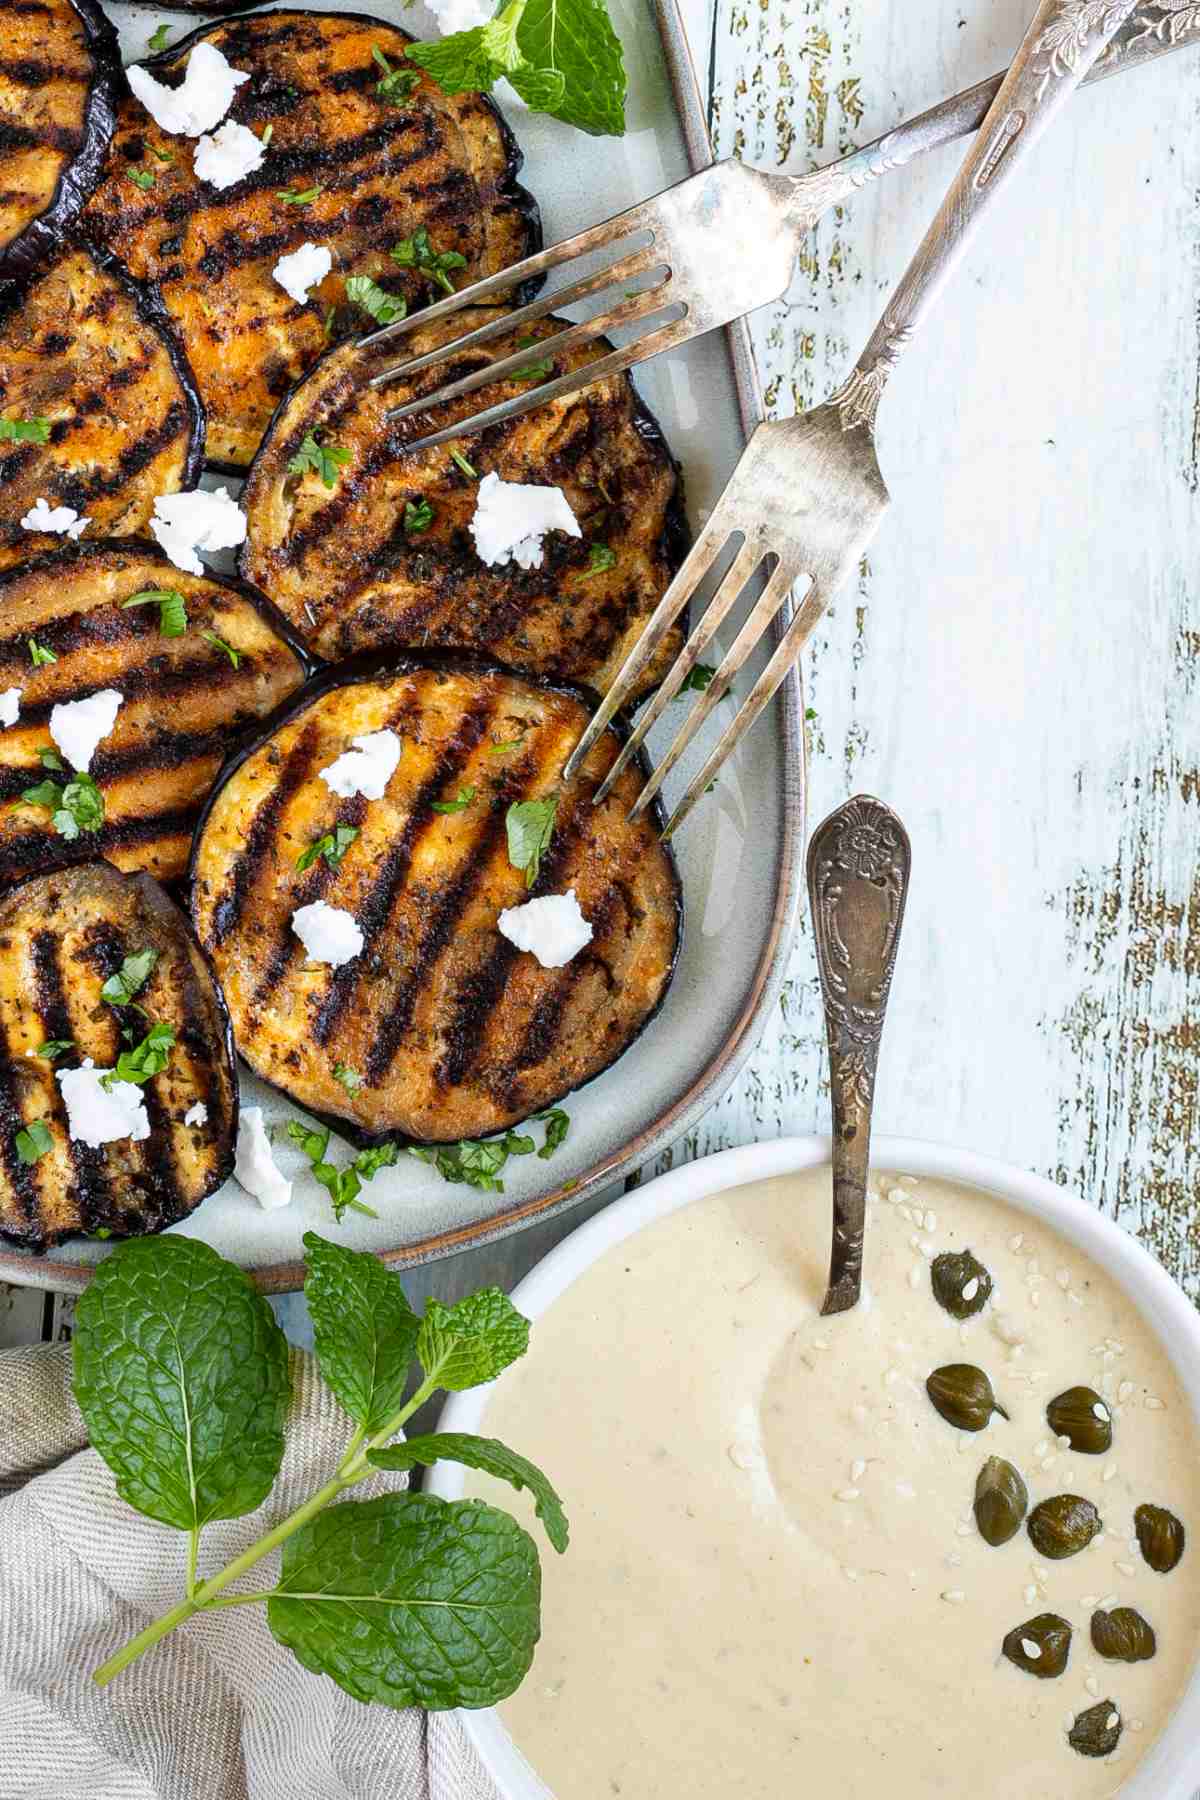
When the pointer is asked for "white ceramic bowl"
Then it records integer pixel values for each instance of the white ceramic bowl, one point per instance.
(1171, 1770)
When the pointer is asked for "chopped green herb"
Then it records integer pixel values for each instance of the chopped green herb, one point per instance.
(460, 804)
(327, 328)
(342, 1185)
(530, 826)
(50, 759)
(332, 846)
(172, 611)
(267, 135)
(141, 178)
(503, 749)
(697, 680)
(122, 988)
(33, 1141)
(38, 653)
(479, 1162)
(386, 308)
(350, 1079)
(557, 1123)
(77, 807)
(159, 39)
(534, 371)
(54, 1047)
(145, 1060)
(600, 558)
(25, 431)
(460, 462)
(298, 196)
(810, 712)
(416, 252)
(218, 643)
(323, 459)
(417, 518)
(164, 156)
(101, 1231)
(397, 85)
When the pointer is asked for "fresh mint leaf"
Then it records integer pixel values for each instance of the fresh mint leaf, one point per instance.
(172, 610)
(123, 987)
(492, 1458)
(465, 1345)
(562, 57)
(416, 252)
(698, 678)
(25, 431)
(411, 1601)
(332, 845)
(557, 1123)
(146, 1060)
(460, 803)
(33, 1141)
(542, 90)
(181, 1374)
(324, 460)
(530, 826)
(342, 1185)
(364, 1330)
(381, 1156)
(218, 643)
(54, 1048)
(75, 808)
(385, 308)
(396, 85)
(160, 37)
(50, 759)
(38, 653)
(476, 1162)
(600, 558)
(141, 178)
(46, 793)
(417, 518)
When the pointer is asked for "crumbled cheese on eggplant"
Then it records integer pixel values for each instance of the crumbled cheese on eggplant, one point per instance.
(186, 523)
(59, 519)
(197, 1114)
(329, 933)
(305, 268)
(10, 705)
(101, 1115)
(77, 726)
(512, 518)
(228, 155)
(366, 769)
(202, 99)
(253, 1165)
(459, 15)
(553, 928)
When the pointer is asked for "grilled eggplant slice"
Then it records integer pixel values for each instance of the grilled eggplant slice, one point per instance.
(386, 557)
(61, 937)
(60, 73)
(185, 703)
(453, 1031)
(89, 351)
(367, 170)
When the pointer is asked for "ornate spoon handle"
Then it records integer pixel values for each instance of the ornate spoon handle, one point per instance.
(859, 863)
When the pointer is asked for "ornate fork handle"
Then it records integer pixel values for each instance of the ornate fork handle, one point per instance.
(1064, 40)
(859, 862)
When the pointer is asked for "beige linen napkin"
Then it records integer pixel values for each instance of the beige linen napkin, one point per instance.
(217, 1711)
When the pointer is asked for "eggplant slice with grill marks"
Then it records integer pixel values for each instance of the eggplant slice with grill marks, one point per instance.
(366, 170)
(387, 558)
(90, 352)
(454, 1032)
(61, 937)
(185, 703)
(60, 74)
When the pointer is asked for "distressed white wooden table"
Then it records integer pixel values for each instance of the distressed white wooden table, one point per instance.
(1016, 669)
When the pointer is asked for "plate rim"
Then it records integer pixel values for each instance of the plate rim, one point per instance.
(20, 1269)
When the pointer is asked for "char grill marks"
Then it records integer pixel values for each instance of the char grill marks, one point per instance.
(61, 936)
(84, 349)
(453, 1032)
(184, 705)
(377, 171)
(351, 575)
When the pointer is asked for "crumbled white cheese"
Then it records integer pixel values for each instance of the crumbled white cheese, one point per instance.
(197, 1114)
(10, 706)
(253, 1164)
(512, 518)
(200, 102)
(366, 769)
(77, 726)
(459, 15)
(329, 933)
(44, 517)
(230, 153)
(185, 523)
(98, 1115)
(305, 268)
(553, 928)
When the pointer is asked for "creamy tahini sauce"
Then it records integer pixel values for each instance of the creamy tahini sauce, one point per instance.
(775, 1584)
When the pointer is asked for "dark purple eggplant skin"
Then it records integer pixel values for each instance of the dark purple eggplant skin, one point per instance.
(368, 667)
(37, 242)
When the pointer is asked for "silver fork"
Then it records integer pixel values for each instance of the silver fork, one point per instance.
(807, 494)
(709, 250)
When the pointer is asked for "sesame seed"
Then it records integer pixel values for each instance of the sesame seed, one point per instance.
(1063, 1442)
(1115, 1344)
(1048, 1462)
(1101, 1411)
(1112, 1721)
(914, 1242)
(1137, 1725)
(954, 1596)
(1016, 1352)
(963, 1530)
(963, 1334)
(928, 1250)
(1014, 1243)
(847, 1493)
(1063, 1278)
(1035, 1298)
(858, 1469)
(914, 1275)
(890, 1375)
(1092, 1686)
(1033, 1651)
(1126, 1569)
(1041, 1447)
(1108, 1600)
(954, 1560)
(1074, 1298)
(1089, 1600)
(896, 1195)
(931, 1221)
(1035, 1269)
(850, 1574)
(1155, 1405)
(971, 1288)
(1109, 1473)
(820, 1343)
(1125, 1391)
(1040, 1574)
(1030, 1594)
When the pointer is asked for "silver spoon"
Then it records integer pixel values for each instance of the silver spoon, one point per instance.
(859, 863)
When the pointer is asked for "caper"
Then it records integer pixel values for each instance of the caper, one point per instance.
(1063, 1526)
(961, 1284)
(1161, 1536)
(1001, 1501)
(1096, 1732)
(1040, 1646)
(963, 1395)
(1081, 1415)
(1123, 1635)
